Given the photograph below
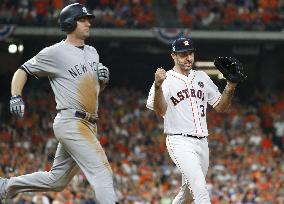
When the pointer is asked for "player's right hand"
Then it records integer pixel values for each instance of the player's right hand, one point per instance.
(160, 76)
(17, 106)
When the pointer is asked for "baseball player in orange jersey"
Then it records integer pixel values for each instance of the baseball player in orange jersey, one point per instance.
(77, 78)
(180, 96)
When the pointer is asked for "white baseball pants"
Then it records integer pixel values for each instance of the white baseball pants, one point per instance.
(191, 156)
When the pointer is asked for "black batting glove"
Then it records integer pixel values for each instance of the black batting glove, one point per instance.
(17, 106)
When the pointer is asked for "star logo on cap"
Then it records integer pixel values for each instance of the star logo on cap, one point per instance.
(84, 10)
(186, 43)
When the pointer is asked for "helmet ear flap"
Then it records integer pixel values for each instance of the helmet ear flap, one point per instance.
(68, 25)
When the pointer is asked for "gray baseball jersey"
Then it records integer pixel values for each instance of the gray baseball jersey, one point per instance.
(72, 73)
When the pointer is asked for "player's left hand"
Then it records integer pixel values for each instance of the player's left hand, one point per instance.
(103, 73)
(17, 106)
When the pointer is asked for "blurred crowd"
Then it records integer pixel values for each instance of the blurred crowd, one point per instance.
(194, 14)
(230, 14)
(246, 150)
(109, 13)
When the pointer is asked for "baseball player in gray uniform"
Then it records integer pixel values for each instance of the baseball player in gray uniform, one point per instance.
(77, 78)
(180, 96)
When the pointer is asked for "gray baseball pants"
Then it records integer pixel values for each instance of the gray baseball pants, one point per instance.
(78, 148)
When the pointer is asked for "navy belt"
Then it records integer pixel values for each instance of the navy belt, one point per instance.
(86, 116)
(188, 135)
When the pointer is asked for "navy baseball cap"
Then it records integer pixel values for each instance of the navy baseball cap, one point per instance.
(182, 44)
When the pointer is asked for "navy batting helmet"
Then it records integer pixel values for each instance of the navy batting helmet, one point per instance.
(70, 14)
(182, 44)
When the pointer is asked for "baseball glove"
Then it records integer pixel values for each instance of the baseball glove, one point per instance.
(231, 68)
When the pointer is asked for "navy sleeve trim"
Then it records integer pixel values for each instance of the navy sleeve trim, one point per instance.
(28, 71)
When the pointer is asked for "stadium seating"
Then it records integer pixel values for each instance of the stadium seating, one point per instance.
(193, 14)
